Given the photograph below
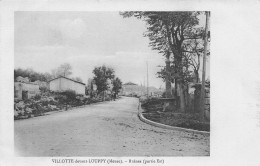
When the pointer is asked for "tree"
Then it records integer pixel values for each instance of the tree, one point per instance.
(117, 85)
(65, 69)
(102, 74)
(170, 32)
(48, 76)
(62, 70)
(194, 52)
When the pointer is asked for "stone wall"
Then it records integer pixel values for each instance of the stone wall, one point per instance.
(196, 100)
(207, 103)
(30, 89)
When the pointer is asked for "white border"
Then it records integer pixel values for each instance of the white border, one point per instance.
(235, 131)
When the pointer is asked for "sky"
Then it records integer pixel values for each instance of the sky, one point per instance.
(45, 40)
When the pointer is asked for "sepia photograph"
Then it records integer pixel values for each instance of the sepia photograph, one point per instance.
(111, 83)
(129, 83)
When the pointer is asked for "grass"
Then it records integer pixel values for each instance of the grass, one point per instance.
(152, 111)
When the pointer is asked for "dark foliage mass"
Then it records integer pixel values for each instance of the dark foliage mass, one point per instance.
(102, 75)
(62, 70)
(32, 75)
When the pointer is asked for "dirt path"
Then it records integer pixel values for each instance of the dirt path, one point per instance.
(104, 129)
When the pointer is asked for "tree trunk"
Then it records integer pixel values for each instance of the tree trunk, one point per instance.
(186, 97)
(168, 82)
(182, 98)
(197, 76)
(175, 88)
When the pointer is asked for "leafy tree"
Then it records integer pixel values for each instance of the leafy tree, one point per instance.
(65, 69)
(62, 70)
(172, 32)
(47, 76)
(102, 74)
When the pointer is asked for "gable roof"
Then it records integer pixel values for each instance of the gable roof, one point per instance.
(67, 79)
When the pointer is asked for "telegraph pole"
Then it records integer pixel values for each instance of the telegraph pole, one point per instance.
(202, 94)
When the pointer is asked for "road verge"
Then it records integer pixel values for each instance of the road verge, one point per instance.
(156, 124)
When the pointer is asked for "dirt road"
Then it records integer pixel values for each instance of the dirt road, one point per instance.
(104, 129)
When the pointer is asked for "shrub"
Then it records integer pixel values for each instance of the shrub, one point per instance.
(164, 94)
(70, 94)
(43, 89)
(37, 97)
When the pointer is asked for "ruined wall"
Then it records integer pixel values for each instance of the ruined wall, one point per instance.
(207, 103)
(196, 100)
(31, 89)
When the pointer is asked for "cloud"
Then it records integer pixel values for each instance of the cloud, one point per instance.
(72, 29)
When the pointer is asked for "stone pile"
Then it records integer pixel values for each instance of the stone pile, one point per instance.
(33, 107)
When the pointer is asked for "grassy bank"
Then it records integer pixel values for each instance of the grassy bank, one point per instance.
(153, 111)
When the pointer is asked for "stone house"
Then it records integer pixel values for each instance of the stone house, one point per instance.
(130, 89)
(25, 90)
(62, 83)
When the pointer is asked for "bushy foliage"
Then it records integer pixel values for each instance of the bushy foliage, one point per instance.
(101, 76)
(43, 89)
(32, 75)
(70, 94)
(37, 97)
(63, 70)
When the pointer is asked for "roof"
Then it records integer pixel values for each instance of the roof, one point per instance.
(130, 83)
(67, 79)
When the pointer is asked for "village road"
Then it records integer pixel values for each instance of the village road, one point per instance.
(103, 129)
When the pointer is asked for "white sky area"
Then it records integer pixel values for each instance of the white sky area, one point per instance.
(45, 40)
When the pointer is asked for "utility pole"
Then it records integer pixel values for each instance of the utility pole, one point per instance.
(202, 94)
(147, 80)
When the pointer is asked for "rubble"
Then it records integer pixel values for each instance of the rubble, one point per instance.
(46, 102)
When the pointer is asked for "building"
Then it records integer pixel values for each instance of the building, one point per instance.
(62, 83)
(132, 89)
(25, 90)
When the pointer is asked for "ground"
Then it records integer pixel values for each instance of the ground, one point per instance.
(103, 129)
